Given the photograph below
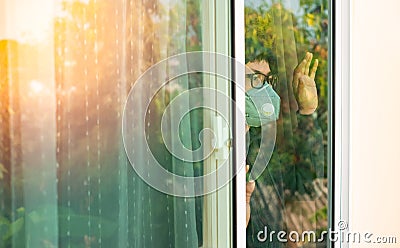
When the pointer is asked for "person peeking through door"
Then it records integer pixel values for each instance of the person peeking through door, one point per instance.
(259, 86)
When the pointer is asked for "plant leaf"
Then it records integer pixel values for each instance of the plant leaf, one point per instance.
(3, 170)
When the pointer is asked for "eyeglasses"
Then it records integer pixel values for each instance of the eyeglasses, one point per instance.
(258, 79)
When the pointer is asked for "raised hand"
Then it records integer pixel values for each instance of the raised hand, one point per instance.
(304, 87)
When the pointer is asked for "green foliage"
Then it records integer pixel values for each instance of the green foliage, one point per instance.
(321, 213)
(259, 35)
(282, 38)
(3, 171)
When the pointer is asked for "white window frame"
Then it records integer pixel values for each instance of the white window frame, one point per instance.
(218, 211)
(340, 52)
(239, 146)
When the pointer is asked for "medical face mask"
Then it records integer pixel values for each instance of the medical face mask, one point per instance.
(262, 106)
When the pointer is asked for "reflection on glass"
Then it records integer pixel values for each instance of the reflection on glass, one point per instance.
(290, 39)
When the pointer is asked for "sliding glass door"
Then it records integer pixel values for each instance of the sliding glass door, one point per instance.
(79, 125)
(289, 43)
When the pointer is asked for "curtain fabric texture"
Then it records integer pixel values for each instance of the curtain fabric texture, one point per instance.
(65, 180)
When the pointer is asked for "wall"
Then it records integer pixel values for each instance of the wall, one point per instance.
(375, 119)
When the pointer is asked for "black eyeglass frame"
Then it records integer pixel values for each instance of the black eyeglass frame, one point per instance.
(270, 78)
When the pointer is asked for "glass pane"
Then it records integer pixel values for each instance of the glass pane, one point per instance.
(66, 71)
(288, 40)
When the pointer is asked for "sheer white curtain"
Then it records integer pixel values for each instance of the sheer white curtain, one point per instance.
(65, 179)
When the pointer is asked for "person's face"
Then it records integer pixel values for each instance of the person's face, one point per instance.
(256, 74)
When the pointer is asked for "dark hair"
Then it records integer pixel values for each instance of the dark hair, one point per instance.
(264, 53)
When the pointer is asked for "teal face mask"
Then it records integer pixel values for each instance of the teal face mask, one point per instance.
(262, 106)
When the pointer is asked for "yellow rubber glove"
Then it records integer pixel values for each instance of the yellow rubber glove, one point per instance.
(304, 87)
